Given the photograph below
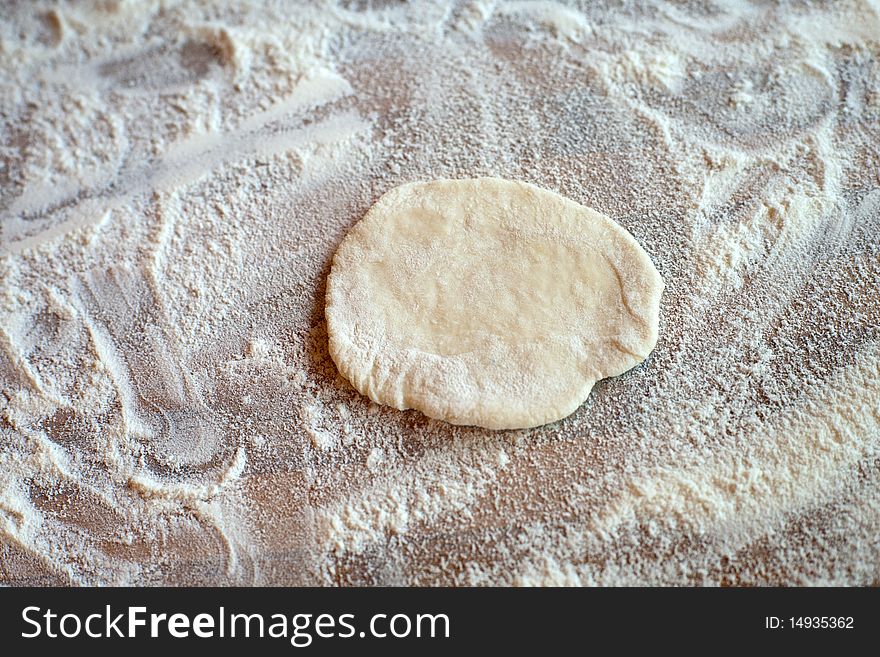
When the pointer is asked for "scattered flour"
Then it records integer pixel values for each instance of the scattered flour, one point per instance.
(176, 176)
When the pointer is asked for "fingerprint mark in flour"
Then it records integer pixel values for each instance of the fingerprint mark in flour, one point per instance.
(162, 402)
(164, 68)
(307, 118)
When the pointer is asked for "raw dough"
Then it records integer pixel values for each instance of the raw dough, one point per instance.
(488, 302)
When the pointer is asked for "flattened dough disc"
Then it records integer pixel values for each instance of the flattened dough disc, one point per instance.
(488, 302)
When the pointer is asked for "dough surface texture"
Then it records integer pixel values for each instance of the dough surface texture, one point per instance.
(488, 302)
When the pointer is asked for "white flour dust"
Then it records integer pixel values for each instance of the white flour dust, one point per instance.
(176, 177)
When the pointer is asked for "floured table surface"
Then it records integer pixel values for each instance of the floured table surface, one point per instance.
(175, 181)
